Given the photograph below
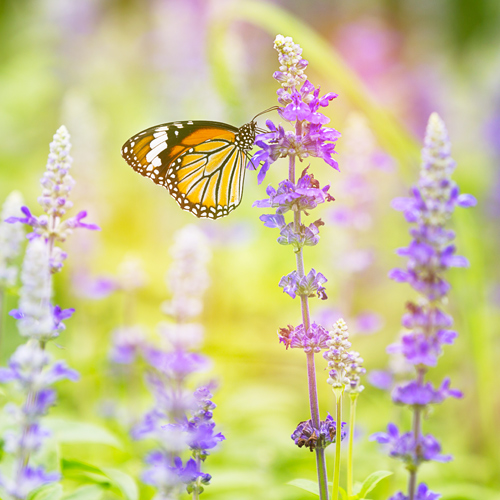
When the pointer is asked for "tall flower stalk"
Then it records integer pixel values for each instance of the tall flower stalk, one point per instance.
(299, 103)
(11, 238)
(430, 253)
(31, 369)
(181, 421)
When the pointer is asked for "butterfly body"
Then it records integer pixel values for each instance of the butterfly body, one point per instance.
(201, 163)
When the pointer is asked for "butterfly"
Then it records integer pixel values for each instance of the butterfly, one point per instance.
(201, 163)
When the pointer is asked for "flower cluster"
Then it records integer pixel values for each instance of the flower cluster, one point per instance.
(306, 435)
(11, 238)
(56, 186)
(429, 255)
(313, 340)
(181, 420)
(337, 355)
(31, 369)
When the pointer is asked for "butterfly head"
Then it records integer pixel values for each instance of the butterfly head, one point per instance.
(245, 136)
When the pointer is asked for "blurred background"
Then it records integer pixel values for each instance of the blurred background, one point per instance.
(109, 68)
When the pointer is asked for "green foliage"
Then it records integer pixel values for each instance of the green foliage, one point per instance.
(364, 488)
(72, 431)
(103, 477)
(47, 492)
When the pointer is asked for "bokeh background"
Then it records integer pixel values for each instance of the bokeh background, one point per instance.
(109, 68)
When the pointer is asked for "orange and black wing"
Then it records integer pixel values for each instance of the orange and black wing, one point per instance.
(199, 162)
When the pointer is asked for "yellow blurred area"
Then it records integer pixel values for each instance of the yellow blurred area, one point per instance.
(108, 69)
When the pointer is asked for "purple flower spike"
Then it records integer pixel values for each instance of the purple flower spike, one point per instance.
(430, 253)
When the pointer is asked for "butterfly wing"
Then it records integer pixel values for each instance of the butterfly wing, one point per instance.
(199, 162)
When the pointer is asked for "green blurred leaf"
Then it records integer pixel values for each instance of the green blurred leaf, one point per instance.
(76, 467)
(371, 481)
(87, 492)
(305, 484)
(72, 431)
(104, 475)
(123, 482)
(52, 491)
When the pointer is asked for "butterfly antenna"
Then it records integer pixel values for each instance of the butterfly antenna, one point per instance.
(273, 108)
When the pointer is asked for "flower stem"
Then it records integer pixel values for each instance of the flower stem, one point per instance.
(354, 399)
(313, 403)
(306, 321)
(338, 440)
(417, 431)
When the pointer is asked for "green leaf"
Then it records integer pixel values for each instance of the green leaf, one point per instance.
(343, 493)
(72, 431)
(52, 491)
(88, 492)
(103, 475)
(371, 481)
(77, 468)
(306, 484)
(123, 482)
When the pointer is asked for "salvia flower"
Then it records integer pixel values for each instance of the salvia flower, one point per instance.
(314, 339)
(35, 314)
(418, 394)
(429, 254)
(354, 369)
(306, 435)
(181, 421)
(338, 355)
(31, 370)
(299, 104)
(32, 373)
(308, 286)
(292, 66)
(56, 187)
(422, 493)
(431, 204)
(408, 449)
(11, 237)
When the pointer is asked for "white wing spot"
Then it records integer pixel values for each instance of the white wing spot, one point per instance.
(156, 151)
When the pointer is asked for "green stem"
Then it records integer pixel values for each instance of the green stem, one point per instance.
(338, 440)
(354, 399)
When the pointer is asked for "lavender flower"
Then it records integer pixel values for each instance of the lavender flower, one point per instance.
(300, 103)
(429, 255)
(181, 420)
(314, 339)
(31, 369)
(306, 435)
(35, 318)
(11, 238)
(422, 493)
(56, 187)
(32, 373)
